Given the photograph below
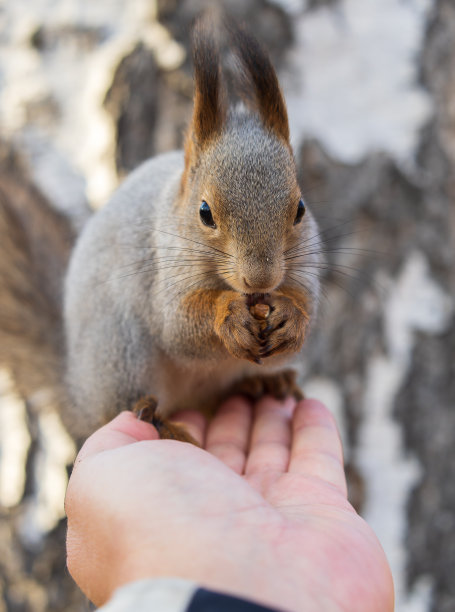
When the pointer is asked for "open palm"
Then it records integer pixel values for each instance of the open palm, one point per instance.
(262, 514)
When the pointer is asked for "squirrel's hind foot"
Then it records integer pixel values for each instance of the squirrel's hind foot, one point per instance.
(279, 385)
(145, 410)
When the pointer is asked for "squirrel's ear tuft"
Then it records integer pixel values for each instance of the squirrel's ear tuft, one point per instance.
(209, 109)
(257, 69)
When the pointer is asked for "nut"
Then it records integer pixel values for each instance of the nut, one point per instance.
(260, 311)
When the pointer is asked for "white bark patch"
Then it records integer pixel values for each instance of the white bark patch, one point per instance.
(56, 178)
(292, 7)
(353, 81)
(330, 394)
(74, 78)
(415, 303)
(14, 444)
(56, 451)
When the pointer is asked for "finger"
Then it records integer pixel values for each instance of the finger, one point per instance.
(229, 432)
(194, 422)
(271, 436)
(125, 429)
(316, 446)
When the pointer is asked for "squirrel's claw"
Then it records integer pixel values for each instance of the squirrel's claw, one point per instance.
(145, 410)
(280, 385)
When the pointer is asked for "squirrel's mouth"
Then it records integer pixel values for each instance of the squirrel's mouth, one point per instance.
(256, 298)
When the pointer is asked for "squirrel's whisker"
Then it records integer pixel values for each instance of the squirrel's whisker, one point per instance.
(314, 236)
(186, 278)
(299, 281)
(170, 261)
(320, 266)
(208, 246)
(150, 269)
(174, 248)
(317, 240)
(333, 270)
(340, 250)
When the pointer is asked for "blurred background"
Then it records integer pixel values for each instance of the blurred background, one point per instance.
(90, 89)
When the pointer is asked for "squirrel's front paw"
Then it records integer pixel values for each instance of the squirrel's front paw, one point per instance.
(286, 325)
(240, 332)
(280, 330)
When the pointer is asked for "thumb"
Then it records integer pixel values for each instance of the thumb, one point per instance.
(125, 429)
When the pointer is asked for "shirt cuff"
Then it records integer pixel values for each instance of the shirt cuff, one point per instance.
(159, 595)
(176, 595)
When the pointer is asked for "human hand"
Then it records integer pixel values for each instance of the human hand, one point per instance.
(262, 515)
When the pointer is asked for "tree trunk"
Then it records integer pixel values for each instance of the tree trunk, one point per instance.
(371, 96)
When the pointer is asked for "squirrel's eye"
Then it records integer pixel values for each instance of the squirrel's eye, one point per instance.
(300, 212)
(206, 215)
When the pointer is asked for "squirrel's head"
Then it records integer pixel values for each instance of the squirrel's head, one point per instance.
(239, 189)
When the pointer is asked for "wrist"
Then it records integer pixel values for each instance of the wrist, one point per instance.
(248, 565)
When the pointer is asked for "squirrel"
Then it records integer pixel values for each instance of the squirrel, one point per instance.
(200, 276)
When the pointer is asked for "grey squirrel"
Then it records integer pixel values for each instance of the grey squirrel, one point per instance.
(200, 275)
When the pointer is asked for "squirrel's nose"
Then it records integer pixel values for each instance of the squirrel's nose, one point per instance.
(261, 279)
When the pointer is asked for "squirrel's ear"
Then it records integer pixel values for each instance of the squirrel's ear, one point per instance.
(209, 109)
(258, 69)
